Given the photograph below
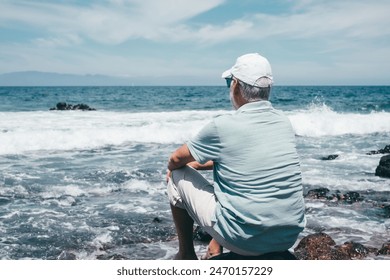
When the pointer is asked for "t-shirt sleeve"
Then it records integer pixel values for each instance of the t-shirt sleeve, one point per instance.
(205, 145)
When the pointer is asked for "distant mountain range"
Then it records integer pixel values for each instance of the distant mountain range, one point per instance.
(36, 78)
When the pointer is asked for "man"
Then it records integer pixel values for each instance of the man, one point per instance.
(255, 205)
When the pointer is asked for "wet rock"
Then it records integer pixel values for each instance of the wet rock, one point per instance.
(350, 197)
(324, 193)
(81, 107)
(61, 106)
(385, 150)
(319, 246)
(318, 193)
(354, 250)
(383, 169)
(330, 157)
(157, 220)
(386, 209)
(385, 250)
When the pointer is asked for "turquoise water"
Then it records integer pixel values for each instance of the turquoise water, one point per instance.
(91, 184)
(135, 99)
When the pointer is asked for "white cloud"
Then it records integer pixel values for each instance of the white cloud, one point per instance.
(316, 37)
(320, 20)
(116, 21)
(64, 40)
(112, 22)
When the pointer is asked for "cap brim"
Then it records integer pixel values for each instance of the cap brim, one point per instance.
(227, 74)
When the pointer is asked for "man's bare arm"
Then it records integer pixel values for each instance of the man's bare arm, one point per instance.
(180, 158)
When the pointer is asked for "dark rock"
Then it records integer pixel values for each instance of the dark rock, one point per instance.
(354, 250)
(324, 193)
(383, 169)
(83, 107)
(385, 150)
(350, 197)
(286, 255)
(157, 220)
(385, 250)
(318, 193)
(64, 106)
(386, 209)
(330, 157)
(319, 246)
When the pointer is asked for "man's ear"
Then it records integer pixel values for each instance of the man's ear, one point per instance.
(236, 88)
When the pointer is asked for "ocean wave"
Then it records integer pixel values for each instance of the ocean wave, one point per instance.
(321, 120)
(22, 132)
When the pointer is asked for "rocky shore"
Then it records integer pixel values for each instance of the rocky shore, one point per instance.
(317, 246)
(320, 246)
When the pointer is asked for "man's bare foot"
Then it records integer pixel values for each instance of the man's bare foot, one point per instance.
(214, 249)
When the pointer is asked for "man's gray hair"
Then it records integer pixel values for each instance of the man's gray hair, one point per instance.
(254, 93)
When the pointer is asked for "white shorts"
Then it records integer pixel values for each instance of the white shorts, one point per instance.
(189, 190)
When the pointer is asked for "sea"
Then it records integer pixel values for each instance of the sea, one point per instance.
(91, 184)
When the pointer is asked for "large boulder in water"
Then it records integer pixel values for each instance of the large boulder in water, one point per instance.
(383, 169)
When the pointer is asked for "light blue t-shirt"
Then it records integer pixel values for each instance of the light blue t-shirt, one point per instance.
(257, 177)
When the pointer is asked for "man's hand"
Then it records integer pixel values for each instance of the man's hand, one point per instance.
(196, 165)
(168, 175)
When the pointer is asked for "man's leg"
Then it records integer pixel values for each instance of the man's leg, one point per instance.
(192, 199)
(184, 228)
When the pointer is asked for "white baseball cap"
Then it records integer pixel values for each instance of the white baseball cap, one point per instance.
(253, 69)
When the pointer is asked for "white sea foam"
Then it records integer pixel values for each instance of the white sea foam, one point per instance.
(22, 132)
(320, 121)
(346, 183)
(58, 191)
(32, 131)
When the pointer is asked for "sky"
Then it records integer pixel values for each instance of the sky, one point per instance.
(308, 42)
